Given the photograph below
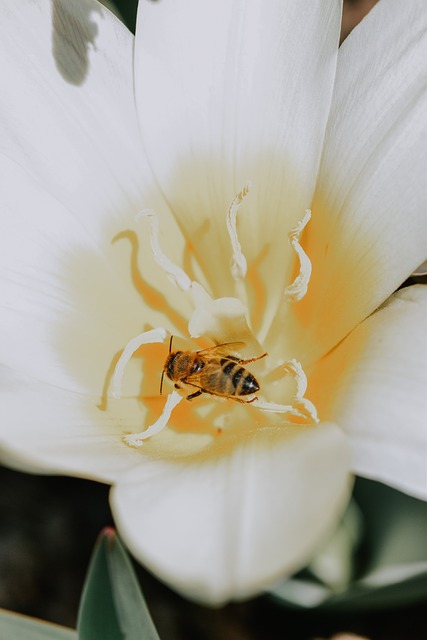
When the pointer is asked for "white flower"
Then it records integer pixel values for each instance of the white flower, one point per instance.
(226, 497)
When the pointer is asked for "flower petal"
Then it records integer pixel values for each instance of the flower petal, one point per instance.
(231, 91)
(69, 121)
(368, 231)
(47, 429)
(224, 526)
(374, 386)
(65, 310)
(73, 176)
(67, 108)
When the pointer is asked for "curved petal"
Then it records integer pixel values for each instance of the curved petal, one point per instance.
(227, 92)
(73, 173)
(374, 386)
(69, 121)
(368, 231)
(67, 308)
(223, 527)
(67, 108)
(50, 430)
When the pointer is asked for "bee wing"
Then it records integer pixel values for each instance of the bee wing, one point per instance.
(225, 349)
(199, 378)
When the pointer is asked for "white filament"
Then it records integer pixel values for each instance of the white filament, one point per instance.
(238, 264)
(298, 288)
(309, 408)
(275, 407)
(295, 369)
(175, 274)
(137, 439)
(147, 337)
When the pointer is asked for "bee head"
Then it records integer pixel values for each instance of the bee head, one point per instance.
(172, 366)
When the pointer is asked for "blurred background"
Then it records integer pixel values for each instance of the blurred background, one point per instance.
(49, 525)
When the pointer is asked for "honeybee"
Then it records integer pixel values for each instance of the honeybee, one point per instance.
(214, 370)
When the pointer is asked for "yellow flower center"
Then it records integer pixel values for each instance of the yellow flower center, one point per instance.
(233, 369)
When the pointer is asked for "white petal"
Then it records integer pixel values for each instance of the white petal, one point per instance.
(231, 91)
(65, 311)
(421, 270)
(369, 231)
(224, 526)
(51, 430)
(69, 121)
(67, 109)
(374, 386)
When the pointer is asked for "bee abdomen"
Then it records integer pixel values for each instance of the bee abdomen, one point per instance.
(240, 381)
(246, 384)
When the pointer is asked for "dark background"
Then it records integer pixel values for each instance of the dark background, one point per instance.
(48, 527)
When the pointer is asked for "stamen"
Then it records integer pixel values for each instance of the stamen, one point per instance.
(309, 408)
(136, 439)
(295, 369)
(298, 288)
(274, 407)
(216, 318)
(147, 337)
(297, 372)
(213, 318)
(238, 264)
(175, 274)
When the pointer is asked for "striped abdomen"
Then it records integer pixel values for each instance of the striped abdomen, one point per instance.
(226, 377)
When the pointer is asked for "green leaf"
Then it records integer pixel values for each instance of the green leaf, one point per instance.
(306, 593)
(112, 606)
(395, 525)
(333, 565)
(389, 567)
(16, 627)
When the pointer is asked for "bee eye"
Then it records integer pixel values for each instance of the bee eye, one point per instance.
(170, 364)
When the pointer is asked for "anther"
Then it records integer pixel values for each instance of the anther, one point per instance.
(238, 265)
(298, 288)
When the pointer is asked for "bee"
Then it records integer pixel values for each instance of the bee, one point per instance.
(214, 371)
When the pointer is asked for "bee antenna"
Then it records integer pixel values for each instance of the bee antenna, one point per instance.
(163, 372)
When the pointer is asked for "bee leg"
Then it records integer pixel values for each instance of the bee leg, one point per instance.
(253, 399)
(252, 360)
(243, 401)
(195, 394)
